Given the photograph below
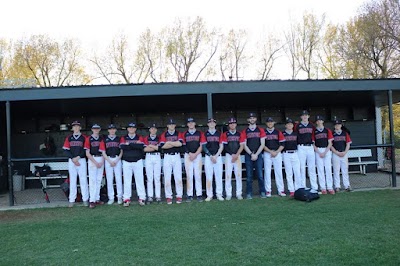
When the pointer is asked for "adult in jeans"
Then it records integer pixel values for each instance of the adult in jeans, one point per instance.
(254, 146)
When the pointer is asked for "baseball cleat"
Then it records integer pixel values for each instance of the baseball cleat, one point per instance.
(70, 205)
(92, 205)
(249, 197)
(262, 195)
(331, 191)
(189, 199)
(209, 199)
(239, 197)
(282, 194)
(178, 200)
(149, 200)
(337, 190)
(348, 189)
(127, 203)
(99, 202)
(110, 202)
(291, 194)
(141, 202)
(120, 201)
(269, 194)
(169, 201)
(86, 203)
(158, 200)
(220, 198)
(228, 197)
(200, 198)
(323, 192)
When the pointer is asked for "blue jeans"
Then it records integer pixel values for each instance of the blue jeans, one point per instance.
(258, 165)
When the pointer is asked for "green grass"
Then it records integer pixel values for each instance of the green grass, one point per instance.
(349, 228)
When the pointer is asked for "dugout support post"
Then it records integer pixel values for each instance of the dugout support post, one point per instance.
(391, 125)
(9, 163)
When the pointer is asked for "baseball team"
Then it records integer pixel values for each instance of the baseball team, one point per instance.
(301, 146)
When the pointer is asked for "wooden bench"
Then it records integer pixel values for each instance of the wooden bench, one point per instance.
(356, 159)
(61, 167)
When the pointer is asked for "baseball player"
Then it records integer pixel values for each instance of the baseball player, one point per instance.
(323, 155)
(254, 145)
(234, 144)
(153, 164)
(290, 158)
(340, 147)
(112, 155)
(193, 140)
(132, 163)
(74, 147)
(213, 160)
(305, 140)
(171, 143)
(95, 165)
(274, 144)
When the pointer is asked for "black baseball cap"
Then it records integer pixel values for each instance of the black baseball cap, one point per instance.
(211, 120)
(153, 125)
(289, 120)
(132, 124)
(171, 121)
(96, 126)
(252, 115)
(305, 112)
(269, 119)
(110, 126)
(190, 119)
(232, 120)
(337, 122)
(319, 117)
(76, 123)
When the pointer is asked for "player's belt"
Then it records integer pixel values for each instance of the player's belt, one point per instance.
(113, 156)
(153, 153)
(322, 146)
(172, 153)
(289, 151)
(97, 155)
(307, 144)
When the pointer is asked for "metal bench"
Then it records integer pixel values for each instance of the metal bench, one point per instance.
(61, 167)
(358, 155)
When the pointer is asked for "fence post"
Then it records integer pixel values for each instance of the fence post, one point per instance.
(9, 163)
(393, 157)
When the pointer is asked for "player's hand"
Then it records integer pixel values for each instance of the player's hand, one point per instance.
(342, 154)
(77, 163)
(322, 155)
(214, 159)
(192, 156)
(273, 154)
(254, 157)
(234, 158)
(113, 164)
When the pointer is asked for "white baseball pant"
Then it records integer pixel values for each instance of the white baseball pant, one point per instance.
(95, 178)
(173, 163)
(110, 172)
(341, 164)
(324, 168)
(211, 169)
(135, 168)
(193, 167)
(292, 167)
(307, 155)
(75, 171)
(277, 163)
(237, 168)
(153, 174)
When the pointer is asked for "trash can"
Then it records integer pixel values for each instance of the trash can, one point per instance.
(18, 182)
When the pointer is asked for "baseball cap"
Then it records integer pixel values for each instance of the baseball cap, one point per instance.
(319, 117)
(132, 124)
(96, 126)
(289, 120)
(269, 119)
(190, 119)
(111, 126)
(153, 125)
(76, 123)
(171, 121)
(211, 120)
(305, 112)
(337, 122)
(232, 120)
(252, 115)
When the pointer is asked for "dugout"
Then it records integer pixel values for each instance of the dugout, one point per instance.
(28, 115)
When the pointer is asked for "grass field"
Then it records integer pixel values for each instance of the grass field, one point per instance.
(349, 228)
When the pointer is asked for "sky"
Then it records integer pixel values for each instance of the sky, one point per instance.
(96, 22)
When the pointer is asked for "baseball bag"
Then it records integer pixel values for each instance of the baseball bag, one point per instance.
(42, 170)
(305, 194)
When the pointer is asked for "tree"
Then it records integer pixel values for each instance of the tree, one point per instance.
(49, 62)
(270, 49)
(190, 48)
(232, 57)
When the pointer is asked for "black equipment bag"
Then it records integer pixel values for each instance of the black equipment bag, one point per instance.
(304, 194)
(42, 170)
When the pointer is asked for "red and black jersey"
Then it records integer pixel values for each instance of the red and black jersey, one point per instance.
(305, 133)
(274, 139)
(253, 138)
(290, 141)
(166, 136)
(232, 141)
(93, 145)
(111, 145)
(213, 141)
(340, 140)
(322, 137)
(74, 145)
(132, 147)
(192, 141)
(151, 141)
